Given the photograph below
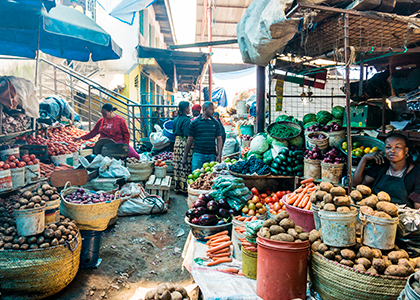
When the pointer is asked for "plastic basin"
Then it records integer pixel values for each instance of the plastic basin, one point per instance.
(167, 130)
(302, 217)
(200, 232)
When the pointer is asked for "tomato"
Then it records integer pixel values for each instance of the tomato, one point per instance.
(30, 163)
(12, 165)
(272, 211)
(269, 200)
(11, 158)
(26, 159)
(1, 164)
(16, 161)
(35, 161)
(255, 192)
(255, 199)
(263, 196)
(21, 164)
(25, 156)
(279, 195)
(6, 166)
(275, 198)
(276, 206)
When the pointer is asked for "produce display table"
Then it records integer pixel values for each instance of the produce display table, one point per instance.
(215, 284)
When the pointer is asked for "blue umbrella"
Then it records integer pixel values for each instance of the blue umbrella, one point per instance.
(62, 32)
(48, 4)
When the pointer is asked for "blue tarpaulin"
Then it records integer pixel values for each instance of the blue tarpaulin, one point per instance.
(217, 95)
(54, 107)
(124, 10)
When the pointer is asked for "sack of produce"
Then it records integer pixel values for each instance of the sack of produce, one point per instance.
(136, 201)
(91, 210)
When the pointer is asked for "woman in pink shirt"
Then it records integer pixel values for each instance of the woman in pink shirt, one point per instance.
(113, 127)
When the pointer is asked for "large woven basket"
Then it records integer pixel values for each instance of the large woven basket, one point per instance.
(335, 281)
(40, 273)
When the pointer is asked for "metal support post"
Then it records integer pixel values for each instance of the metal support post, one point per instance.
(349, 142)
(260, 120)
(209, 22)
(90, 109)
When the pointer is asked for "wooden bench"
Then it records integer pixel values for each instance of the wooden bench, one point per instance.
(159, 186)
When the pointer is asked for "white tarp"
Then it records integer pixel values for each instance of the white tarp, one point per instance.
(124, 10)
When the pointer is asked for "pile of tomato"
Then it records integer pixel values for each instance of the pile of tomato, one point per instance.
(272, 199)
(13, 162)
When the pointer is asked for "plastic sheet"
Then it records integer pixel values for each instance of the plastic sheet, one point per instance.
(408, 232)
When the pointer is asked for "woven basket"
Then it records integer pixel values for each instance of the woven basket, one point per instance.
(40, 273)
(335, 281)
(89, 216)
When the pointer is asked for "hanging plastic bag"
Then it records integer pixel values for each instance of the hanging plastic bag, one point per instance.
(113, 169)
(408, 232)
(158, 140)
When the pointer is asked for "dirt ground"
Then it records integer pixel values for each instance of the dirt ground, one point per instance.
(139, 251)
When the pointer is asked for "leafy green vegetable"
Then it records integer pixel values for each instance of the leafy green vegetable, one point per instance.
(259, 144)
(297, 141)
(282, 131)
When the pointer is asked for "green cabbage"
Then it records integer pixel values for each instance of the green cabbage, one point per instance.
(297, 141)
(259, 144)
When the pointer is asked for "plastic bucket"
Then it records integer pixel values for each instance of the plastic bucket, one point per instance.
(379, 233)
(241, 107)
(322, 144)
(59, 159)
(52, 211)
(336, 137)
(338, 229)
(331, 172)
(91, 242)
(237, 253)
(200, 232)
(167, 130)
(311, 168)
(30, 221)
(302, 217)
(408, 293)
(249, 264)
(282, 269)
(32, 173)
(18, 177)
(160, 172)
(5, 180)
(315, 210)
(246, 129)
(4, 154)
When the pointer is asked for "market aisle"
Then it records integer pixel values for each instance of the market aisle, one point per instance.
(146, 249)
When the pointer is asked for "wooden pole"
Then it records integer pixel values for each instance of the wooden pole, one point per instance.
(349, 142)
(260, 119)
(209, 23)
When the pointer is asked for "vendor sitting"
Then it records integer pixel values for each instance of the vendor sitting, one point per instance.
(395, 175)
(113, 127)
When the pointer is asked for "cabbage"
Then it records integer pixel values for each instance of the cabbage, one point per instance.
(282, 143)
(270, 140)
(259, 144)
(297, 141)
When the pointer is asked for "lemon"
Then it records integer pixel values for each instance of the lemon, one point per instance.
(375, 149)
(344, 145)
(372, 151)
(362, 147)
(367, 150)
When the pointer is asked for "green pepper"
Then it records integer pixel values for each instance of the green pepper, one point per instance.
(282, 157)
(289, 169)
(298, 168)
(277, 160)
(274, 171)
(275, 165)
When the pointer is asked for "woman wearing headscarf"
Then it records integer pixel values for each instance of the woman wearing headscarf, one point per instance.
(180, 129)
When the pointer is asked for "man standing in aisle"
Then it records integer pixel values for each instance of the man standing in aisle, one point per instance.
(203, 132)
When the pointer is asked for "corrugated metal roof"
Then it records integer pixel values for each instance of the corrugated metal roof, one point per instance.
(164, 17)
(226, 15)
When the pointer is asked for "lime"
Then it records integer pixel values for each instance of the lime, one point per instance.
(190, 181)
(206, 165)
(227, 160)
(196, 174)
(203, 170)
(356, 144)
(375, 149)
(344, 145)
(359, 153)
(207, 169)
(213, 163)
(191, 176)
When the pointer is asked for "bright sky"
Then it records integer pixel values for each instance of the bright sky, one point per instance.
(184, 16)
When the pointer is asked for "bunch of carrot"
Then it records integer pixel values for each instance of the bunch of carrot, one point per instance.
(300, 197)
(247, 245)
(245, 219)
(48, 169)
(219, 248)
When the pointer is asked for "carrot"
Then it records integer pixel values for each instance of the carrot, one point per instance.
(230, 270)
(242, 239)
(247, 244)
(252, 249)
(222, 239)
(241, 219)
(219, 261)
(292, 199)
(308, 205)
(310, 185)
(311, 190)
(221, 246)
(240, 273)
(224, 254)
(304, 201)
(297, 202)
(217, 234)
(220, 257)
(226, 249)
(307, 180)
(299, 190)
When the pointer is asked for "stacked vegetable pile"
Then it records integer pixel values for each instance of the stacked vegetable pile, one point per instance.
(48, 169)
(359, 150)
(255, 206)
(207, 211)
(164, 156)
(288, 162)
(82, 196)
(231, 189)
(323, 118)
(271, 199)
(219, 249)
(287, 118)
(301, 196)
(204, 182)
(17, 123)
(282, 131)
(251, 166)
(314, 154)
(246, 137)
(330, 127)
(168, 292)
(12, 162)
(206, 169)
(415, 285)
(334, 156)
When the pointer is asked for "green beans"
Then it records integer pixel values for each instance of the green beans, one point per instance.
(282, 131)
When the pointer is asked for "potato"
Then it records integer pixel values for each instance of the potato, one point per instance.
(359, 267)
(161, 288)
(312, 198)
(45, 198)
(395, 256)
(30, 205)
(40, 192)
(377, 253)
(322, 248)
(364, 261)
(21, 240)
(366, 252)
(387, 261)
(150, 295)
(328, 198)
(57, 234)
(182, 290)
(40, 240)
(28, 195)
(48, 233)
(343, 209)
(8, 239)
(390, 208)
(329, 207)
(382, 196)
(342, 201)
(32, 240)
(54, 197)
(264, 232)
(23, 201)
(281, 215)
(338, 258)
(319, 195)
(348, 254)
(287, 223)
(381, 214)
(298, 241)
(367, 210)
(356, 195)
(176, 296)
(326, 186)
(54, 242)
(322, 204)
(283, 237)
(49, 193)
(379, 264)
(33, 246)
(298, 229)
(16, 206)
(165, 296)
(268, 223)
(304, 236)
(372, 270)
(313, 236)
(361, 203)
(338, 191)
(45, 187)
(397, 270)
(315, 245)
(276, 229)
(364, 190)
(9, 231)
(371, 201)
(406, 263)
(329, 254)
(347, 262)
(36, 199)
(44, 245)
(293, 233)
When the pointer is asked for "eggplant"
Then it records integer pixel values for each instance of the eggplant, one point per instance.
(199, 203)
(223, 213)
(208, 220)
(223, 204)
(195, 221)
(190, 213)
(221, 222)
(199, 211)
(212, 206)
(204, 197)
(235, 212)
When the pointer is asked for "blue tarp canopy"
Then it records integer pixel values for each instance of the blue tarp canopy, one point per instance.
(124, 10)
(63, 32)
(217, 95)
(48, 4)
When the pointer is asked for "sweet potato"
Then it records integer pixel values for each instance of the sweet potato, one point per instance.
(337, 191)
(390, 208)
(342, 201)
(326, 186)
(356, 195)
(382, 196)
(364, 190)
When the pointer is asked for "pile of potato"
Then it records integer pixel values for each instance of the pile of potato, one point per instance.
(282, 229)
(394, 262)
(53, 235)
(415, 284)
(374, 205)
(331, 198)
(166, 291)
(37, 198)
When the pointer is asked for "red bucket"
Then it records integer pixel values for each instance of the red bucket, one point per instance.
(282, 269)
(302, 217)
